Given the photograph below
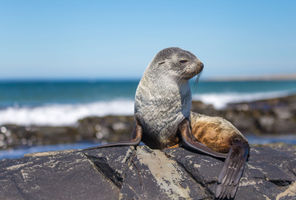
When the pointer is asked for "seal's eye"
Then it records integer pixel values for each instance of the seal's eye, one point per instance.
(183, 61)
(161, 63)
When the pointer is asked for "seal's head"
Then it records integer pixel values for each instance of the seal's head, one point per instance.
(177, 63)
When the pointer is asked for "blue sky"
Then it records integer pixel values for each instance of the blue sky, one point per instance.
(117, 39)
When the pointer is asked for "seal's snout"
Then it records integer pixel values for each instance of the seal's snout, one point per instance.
(201, 66)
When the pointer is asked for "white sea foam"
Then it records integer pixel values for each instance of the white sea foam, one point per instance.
(221, 100)
(68, 114)
(63, 114)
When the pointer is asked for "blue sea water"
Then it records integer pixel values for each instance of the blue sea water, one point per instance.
(64, 102)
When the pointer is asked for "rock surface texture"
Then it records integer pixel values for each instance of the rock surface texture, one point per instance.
(143, 173)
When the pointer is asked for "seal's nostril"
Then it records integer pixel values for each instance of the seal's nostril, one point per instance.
(201, 66)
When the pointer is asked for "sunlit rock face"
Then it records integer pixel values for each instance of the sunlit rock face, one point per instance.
(143, 173)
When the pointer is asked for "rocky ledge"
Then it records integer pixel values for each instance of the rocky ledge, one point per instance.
(143, 173)
(274, 116)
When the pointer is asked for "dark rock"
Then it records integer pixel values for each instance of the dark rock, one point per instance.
(12, 136)
(54, 175)
(126, 173)
(206, 109)
(269, 116)
(96, 129)
(272, 116)
(107, 128)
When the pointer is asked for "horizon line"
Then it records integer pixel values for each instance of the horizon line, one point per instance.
(280, 77)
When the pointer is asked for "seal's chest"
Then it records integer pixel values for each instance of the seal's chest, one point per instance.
(161, 108)
(163, 122)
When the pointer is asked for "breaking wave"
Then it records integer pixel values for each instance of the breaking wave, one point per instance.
(68, 114)
(220, 100)
(63, 114)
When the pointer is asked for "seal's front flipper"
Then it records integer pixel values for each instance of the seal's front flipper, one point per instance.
(233, 168)
(137, 137)
(192, 143)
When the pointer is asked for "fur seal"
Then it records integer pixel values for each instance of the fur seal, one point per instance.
(163, 118)
(163, 96)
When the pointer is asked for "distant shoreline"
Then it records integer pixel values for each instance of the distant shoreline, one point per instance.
(280, 77)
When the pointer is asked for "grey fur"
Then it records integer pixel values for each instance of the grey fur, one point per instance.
(163, 97)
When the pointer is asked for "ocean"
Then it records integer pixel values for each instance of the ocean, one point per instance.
(64, 102)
